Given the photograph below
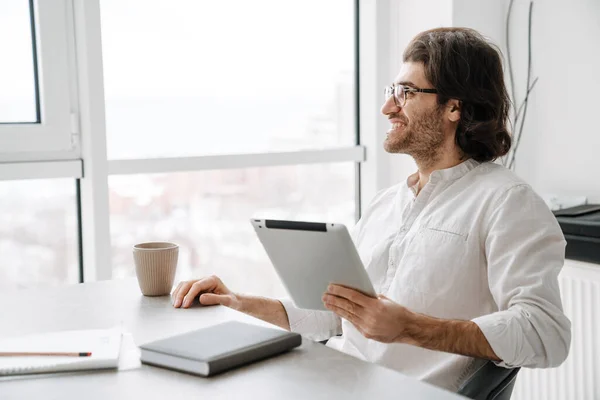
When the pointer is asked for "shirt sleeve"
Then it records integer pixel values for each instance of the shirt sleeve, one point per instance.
(313, 324)
(524, 248)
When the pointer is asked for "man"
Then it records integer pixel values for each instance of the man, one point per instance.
(464, 253)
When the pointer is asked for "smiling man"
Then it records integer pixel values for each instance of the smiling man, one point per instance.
(464, 254)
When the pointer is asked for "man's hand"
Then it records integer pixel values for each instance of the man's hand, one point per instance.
(379, 319)
(211, 290)
(385, 321)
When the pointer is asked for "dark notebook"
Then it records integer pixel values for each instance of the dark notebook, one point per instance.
(218, 348)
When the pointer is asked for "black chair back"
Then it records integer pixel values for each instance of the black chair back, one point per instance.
(490, 382)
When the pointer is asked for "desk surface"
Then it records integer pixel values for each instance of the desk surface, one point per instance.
(310, 371)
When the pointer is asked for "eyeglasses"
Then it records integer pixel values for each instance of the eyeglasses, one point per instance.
(399, 92)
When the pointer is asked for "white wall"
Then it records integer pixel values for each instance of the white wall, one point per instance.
(560, 149)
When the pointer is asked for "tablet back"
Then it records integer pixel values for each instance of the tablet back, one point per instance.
(309, 255)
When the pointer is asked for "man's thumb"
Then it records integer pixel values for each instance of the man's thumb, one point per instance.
(210, 299)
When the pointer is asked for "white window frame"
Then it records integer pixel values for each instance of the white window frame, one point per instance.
(53, 138)
(87, 102)
(378, 63)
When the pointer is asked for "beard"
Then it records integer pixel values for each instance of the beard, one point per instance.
(422, 138)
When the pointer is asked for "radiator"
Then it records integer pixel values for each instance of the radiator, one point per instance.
(578, 378)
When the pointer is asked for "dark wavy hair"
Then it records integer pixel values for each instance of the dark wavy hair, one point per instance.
(461, 64)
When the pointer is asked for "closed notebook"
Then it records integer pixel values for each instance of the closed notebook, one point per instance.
(104, 344)
(218, 348)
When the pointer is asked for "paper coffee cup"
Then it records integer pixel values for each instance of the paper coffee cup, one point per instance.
(155, 267)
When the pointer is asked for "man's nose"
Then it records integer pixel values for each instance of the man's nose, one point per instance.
(389, 106)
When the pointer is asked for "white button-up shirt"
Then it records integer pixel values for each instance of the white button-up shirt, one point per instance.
(476, 244)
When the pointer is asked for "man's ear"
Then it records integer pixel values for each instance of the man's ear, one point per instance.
(454, 109)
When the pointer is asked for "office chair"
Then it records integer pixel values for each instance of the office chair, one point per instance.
(490, 382)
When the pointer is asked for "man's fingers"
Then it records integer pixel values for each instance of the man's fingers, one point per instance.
(185, 293)
(344, 303)
(197, 287)
(210, 299)
(180, 292)
(176, 290)
(350, 294)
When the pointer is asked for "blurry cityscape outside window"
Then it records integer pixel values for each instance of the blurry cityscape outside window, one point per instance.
(38, 233)
(208, 214)
(189, 77)
(18, 102)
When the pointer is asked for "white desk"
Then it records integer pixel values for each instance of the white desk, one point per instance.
(311, 371)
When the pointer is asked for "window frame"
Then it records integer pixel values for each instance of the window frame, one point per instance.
(53, 137)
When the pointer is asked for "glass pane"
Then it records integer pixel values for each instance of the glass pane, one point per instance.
(228, 76)
(18, 102)
(208, 214)
(38, 233)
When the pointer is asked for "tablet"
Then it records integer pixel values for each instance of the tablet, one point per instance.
(308, 256)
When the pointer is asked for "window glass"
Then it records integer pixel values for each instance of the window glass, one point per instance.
(189, 77)
(208, 214)
(18, 101)
(38, 233)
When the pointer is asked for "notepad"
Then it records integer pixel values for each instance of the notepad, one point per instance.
(218, 348)
(104, 344)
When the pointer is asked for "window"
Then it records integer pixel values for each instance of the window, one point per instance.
(18, 97)
(39, 240)
(233, 93)
(252, 87)
(188, 77)
(36, 96)
(38, 233)
(208, 214)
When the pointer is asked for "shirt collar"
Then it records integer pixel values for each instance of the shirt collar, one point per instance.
(448, 174)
